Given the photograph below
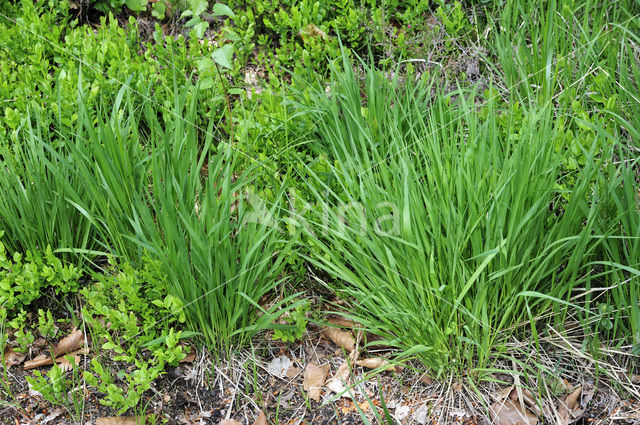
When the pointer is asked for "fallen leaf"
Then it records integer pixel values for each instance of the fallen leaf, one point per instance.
(567, 411)
(379, 363)
(279, 366)
(44, 360)
(190, 353)
(70, 343)
(261, 420)
(341, 377)
(426, 379)
(121, 420)
(635, 379)
(53, 415)
(457, 386)
(41, 360)
(342, 322)
(364, 405)
(341, 338)
(571, 401)
(66, 365)
(510, 412)
(67, 345)
(402, 412)
(292, 372)
(227, 422)
(13, 358)
(336, 386)
(314, 377)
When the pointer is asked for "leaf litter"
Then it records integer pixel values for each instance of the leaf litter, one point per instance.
(416, 398)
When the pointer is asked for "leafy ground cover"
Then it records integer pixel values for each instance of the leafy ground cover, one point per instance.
(319, 212)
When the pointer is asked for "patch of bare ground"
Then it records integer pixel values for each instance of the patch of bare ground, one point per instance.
(330, 378)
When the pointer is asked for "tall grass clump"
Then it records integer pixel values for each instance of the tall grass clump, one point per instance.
(445, 231)
(124, 184)
(563, 51)
(39, 186)
(172, 194)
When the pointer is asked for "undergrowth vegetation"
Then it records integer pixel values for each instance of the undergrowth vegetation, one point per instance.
(472, 181)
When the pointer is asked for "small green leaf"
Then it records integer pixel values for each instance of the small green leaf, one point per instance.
(220, 9)
(200, 6)
(223, 56)
(159, 10)
(200, 28)
(136, 5)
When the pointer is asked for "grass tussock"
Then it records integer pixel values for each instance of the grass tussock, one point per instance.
(448, 227)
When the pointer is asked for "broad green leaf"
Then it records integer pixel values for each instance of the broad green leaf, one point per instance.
(136, 5)
(199, 6)
(223, 56)
(200, 28)
(159, 10)
(220, 9)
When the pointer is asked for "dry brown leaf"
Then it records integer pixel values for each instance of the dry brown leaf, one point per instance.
(65, 364)
(191, 355)
(571, 401)
(121, 420)
(503, 393)
(314, 377)
(69, 343)
(635, 379)
(41, 360)
(45, 360)
(510, 412)
(341, 338)
(261, 420)
(342, 322)
(228, 422)
(426, 379)
(567, 409)
(343, 371)
(55, 413)
(13, 358)
(341, 377)
(351, 407)
(379, 363)
(292, 372)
